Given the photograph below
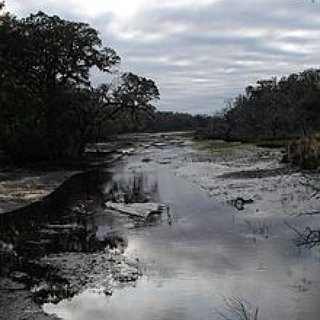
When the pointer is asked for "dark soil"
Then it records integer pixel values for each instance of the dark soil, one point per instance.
(261, 173)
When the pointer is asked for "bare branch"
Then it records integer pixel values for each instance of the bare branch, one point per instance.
(316, 190)
(239, 309)
(309, 238)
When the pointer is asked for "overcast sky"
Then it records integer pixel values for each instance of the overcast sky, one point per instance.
(199, 52)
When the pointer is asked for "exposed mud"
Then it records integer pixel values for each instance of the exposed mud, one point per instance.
(258, 173)
(16, 303)
(205, 249)
(20, 187)
(249, 172)
(68, 242)
(144, 234)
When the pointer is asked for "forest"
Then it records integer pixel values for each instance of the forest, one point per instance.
(49, 107)
(281, 111)
(272, 109)
(163, 121)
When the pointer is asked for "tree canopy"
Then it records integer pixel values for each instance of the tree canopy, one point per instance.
(49, 106)
(272, 109)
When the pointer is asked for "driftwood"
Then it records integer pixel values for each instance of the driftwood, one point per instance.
(240, 202)
(308, 238)
(239, 309)
(310, 213)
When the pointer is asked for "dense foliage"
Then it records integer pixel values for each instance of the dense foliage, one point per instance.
(272, 109)
(49, 107)
(173, 121)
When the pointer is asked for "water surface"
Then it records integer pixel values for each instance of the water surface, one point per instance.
(200, 254)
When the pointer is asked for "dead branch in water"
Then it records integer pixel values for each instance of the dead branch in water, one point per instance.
(310, 213)
(239, 309)
(315, 189)
(309, 238)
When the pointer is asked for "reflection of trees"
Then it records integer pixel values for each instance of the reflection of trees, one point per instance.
(259, 228)
(309, 237)
(77, 235)
(62, 222)
(65, 221)
(133, 189)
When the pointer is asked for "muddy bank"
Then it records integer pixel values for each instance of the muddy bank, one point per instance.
(250, 172)
(16, 303)
(69, 241)
(144, 233)
(20, 186)
(58, 223)
(205, 250)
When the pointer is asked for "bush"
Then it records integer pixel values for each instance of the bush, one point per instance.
(305, 152)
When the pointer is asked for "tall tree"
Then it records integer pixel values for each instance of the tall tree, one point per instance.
(64, 51)
(135, 96)
(48, 105)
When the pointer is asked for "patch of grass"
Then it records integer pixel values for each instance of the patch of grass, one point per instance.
(186, 134)
(305, 152)
(272, 144)
(218, 146)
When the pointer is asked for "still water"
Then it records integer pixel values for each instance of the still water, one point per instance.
(199, 256)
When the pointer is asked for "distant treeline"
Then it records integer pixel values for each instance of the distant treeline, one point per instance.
(173, 121)
(49, 107)
(272, 109)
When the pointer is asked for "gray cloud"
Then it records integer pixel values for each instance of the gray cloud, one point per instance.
(201, 55)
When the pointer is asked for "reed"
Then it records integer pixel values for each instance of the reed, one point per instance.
(305, 152)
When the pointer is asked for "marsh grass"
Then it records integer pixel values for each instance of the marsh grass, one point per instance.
(219, 146)
(305, 152)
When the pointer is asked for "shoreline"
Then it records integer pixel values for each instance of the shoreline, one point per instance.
(225, 174)
(251, 172)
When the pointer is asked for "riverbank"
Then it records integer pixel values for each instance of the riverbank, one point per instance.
(205, 250)
(227, 171)
(23, 185)
(61, 239)
(59, 246)
(82, 227)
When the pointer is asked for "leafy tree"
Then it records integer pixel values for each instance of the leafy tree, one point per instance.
(273, 109)
(49, 107)
(134, 96)
(64, 51)
(173, 121)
